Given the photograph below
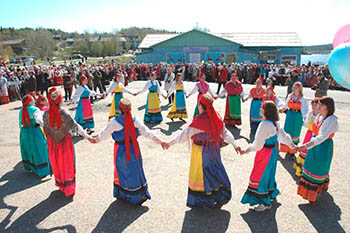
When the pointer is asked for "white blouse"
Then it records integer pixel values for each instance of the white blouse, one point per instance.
(329, 126)
(308, 118)
(223, 92)
(267, 129)
(38, 116)
(113, 126)
(79, 91)
(173, 87)
(195, 89)
(114, 86)
(304, 105)
(148, 85)
(189, 131)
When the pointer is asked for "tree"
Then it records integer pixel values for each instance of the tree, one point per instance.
(40, 43)
(109, 47)
(97, 49)
(82, 48)
(6, 53)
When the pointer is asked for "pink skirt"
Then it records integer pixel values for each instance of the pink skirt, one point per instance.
(87, 109)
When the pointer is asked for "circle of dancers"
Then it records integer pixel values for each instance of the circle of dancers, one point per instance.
(46, 138)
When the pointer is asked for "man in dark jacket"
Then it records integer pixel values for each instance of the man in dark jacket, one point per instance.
(321, 87)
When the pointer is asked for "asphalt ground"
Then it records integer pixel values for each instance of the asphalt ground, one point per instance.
(29, 204)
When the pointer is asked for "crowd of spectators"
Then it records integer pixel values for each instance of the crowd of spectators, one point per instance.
(20, 80)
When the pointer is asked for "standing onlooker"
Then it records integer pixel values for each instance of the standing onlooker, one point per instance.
(68, 86)
(169, 78)
(30, 83)
(97, 81)
(4, 97)
(291, 80)
(322, 85)
(223, 75)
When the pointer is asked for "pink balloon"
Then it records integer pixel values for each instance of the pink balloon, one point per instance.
(342, 36)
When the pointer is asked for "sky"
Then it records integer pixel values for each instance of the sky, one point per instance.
(316, 21)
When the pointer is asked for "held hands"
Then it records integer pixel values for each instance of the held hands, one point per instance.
(238, 150)
(92, 140)
(281, 110)
(300, 148)
(165, 145)
(244, 151)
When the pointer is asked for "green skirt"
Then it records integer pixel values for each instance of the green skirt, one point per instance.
(293, 125)
(34, 151)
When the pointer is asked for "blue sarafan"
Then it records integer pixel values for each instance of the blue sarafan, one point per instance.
(339, 65)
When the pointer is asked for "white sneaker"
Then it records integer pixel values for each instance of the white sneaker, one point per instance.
(262, 207)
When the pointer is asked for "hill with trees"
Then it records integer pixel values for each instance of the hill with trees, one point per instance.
(47, 43)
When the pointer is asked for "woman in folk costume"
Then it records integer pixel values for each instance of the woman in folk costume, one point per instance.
(42, 103)
(202, 87)
(310, 119)
(117, 89)
(129, 179)
(209, 184)
(297, 109)
(153, 110)
(271, 95)
(257, 93)
(32, 140)
(235, 94)
(178, 110)
(315, 173)
(84, 114)
(57, 125)
(4, 96)
(262, 183)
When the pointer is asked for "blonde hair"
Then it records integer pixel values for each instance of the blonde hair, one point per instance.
(126, 102)
(299, 85)
(208, 98)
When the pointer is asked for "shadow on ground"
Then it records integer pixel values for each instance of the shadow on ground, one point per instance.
(262, 221)
(119, 216)
(206, 220)
(16, 108)
(236, 132)
(288, 165)
(76, 139)
(324, 215)
(173, 127)
(16, 180)
(28, 221)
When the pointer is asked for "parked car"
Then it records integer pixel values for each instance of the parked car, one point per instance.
(77, 56)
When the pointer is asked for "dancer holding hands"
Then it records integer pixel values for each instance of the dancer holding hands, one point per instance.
(262, 186)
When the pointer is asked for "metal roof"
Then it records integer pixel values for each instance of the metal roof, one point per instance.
(11, 42)
(247, 39)
(152, 39)
(259, 39)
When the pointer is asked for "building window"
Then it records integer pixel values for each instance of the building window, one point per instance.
(290, 59)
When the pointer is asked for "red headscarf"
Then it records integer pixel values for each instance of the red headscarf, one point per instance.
(41, 98)
(54, 110)
(215, 126)
(82, 78)
(129, 126)
(25, 114)
(261, 79)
